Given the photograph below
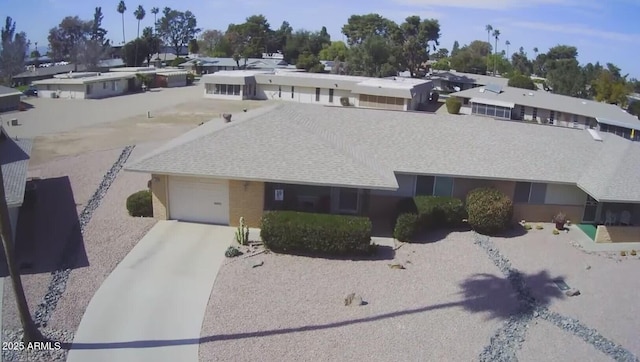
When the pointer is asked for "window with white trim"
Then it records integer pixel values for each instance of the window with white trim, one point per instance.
(530, 193)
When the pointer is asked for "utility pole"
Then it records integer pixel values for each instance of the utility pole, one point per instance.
(31, 332)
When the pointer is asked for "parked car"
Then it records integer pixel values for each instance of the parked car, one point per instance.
(31, 92)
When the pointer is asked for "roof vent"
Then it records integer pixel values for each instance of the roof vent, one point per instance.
(594, 134)
(481, 90)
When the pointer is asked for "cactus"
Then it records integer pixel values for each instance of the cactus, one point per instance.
(242, 233)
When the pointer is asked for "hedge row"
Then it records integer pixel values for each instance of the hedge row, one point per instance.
(322, 234)
(423, 213)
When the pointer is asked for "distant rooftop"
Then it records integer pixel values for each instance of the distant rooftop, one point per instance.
(468, 78)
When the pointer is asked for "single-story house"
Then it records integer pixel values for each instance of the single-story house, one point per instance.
(452, 81)
(397, 93)
(208, 65)
(9, 99)
(86, 85)
(14, 160)
(34, 73)
(362, 161)
(548, 108)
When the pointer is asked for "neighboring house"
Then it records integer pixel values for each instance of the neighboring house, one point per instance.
(452, 81)
(14, 160)
(86, 85)
(548, 108)
(207, 65)
(397, 93)
(33, 73)
(362, 161)
(9, 99)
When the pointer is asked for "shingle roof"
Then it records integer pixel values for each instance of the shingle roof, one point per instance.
(50, 71)
(468, 78)
(603, 112)
(301, 143)
(14, 160)
(6, 91)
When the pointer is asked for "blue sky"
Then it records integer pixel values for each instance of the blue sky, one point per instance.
(603, 31)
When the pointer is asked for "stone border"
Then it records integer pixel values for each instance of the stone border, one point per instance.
(509, 338)
(59, 277)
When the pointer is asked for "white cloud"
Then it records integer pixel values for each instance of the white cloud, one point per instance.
(497, 4)
(578, 29)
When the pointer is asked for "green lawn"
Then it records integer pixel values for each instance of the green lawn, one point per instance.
(22, 88)
(588, 229)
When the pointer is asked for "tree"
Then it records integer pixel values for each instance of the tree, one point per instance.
(521, 63)
(442, 64)
(499, 64)
(634, 108)
(472, 58)
(194, 48)
(13, 51)
(488, 28)
(251, 38)
(139, 13)
(360, 27)
(610, 87)
(152, 43)
(440, 54)
(521, 81)
(375, 57)
(507, 43)
(309, 62)
(121, 9)
(496, 35)
(177, 28)
(209, 40)
(455, 49)
(336, 51)
(155, 12)
(563, 72)
(414, 37)
(78, 41)
(278, 39)
(30, 330)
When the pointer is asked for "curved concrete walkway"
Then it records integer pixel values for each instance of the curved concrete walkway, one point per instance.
(151, 307)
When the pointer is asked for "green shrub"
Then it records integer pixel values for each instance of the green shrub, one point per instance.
(453, 105)
(406, 227)
(321, 234)
(177, 61)
(490, 211)
(431, 212)
(140, 204)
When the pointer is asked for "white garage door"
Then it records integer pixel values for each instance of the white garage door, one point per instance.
(199, 200)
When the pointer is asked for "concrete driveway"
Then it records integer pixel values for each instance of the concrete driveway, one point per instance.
(151, 307)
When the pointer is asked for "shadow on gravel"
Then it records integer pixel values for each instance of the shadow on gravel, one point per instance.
(481, 293)
(48, 229)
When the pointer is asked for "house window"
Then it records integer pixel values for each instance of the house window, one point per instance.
(217, 89)
(535, 114)
(279, 91)
(254, 86)
(104, 85)
(574, 119)
(465, 101)
(317, 94)
(530, 193)
(522, 111)
(292, 91)
(223, 89)
(434, 186)
(236, 90)
(348, 200)
(113, 86)
(552, 117)
(89, 88)
(331, 95)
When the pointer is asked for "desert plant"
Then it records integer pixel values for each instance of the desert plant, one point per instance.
(623, 253)
(560, 220)
(453, 105)
(555, 232)
(140, 204)
(242, 233)
(527, 227)
(633, 252)
(539, 227)
(406, 227)
(232, 252)
(317, 234)
(345, 101)
(490, 211)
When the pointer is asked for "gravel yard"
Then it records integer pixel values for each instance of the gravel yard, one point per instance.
(449, 298)
(607, 282)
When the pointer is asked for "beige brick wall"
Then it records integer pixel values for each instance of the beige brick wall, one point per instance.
(545, 213)
(159, 184)
(617, 234)
(246, 199)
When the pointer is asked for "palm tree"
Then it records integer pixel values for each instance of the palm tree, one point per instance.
(507, 43)
(31, 332)
(488, 28)
(139, 13)
(155, 12)
(121, 9)
(496, 35)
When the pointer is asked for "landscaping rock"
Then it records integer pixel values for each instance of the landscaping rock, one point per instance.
(257, 263)
(588, 267)
(396, 266)
(572, 292)
(353, 300)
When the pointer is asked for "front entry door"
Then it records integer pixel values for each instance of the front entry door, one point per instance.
(590, 210)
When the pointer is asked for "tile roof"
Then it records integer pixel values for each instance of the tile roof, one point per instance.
(14, 160)
(302, 143)
(603, 112)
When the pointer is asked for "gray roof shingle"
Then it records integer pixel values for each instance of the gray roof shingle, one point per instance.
(14, 160)
(6, 91)
(302, 143)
